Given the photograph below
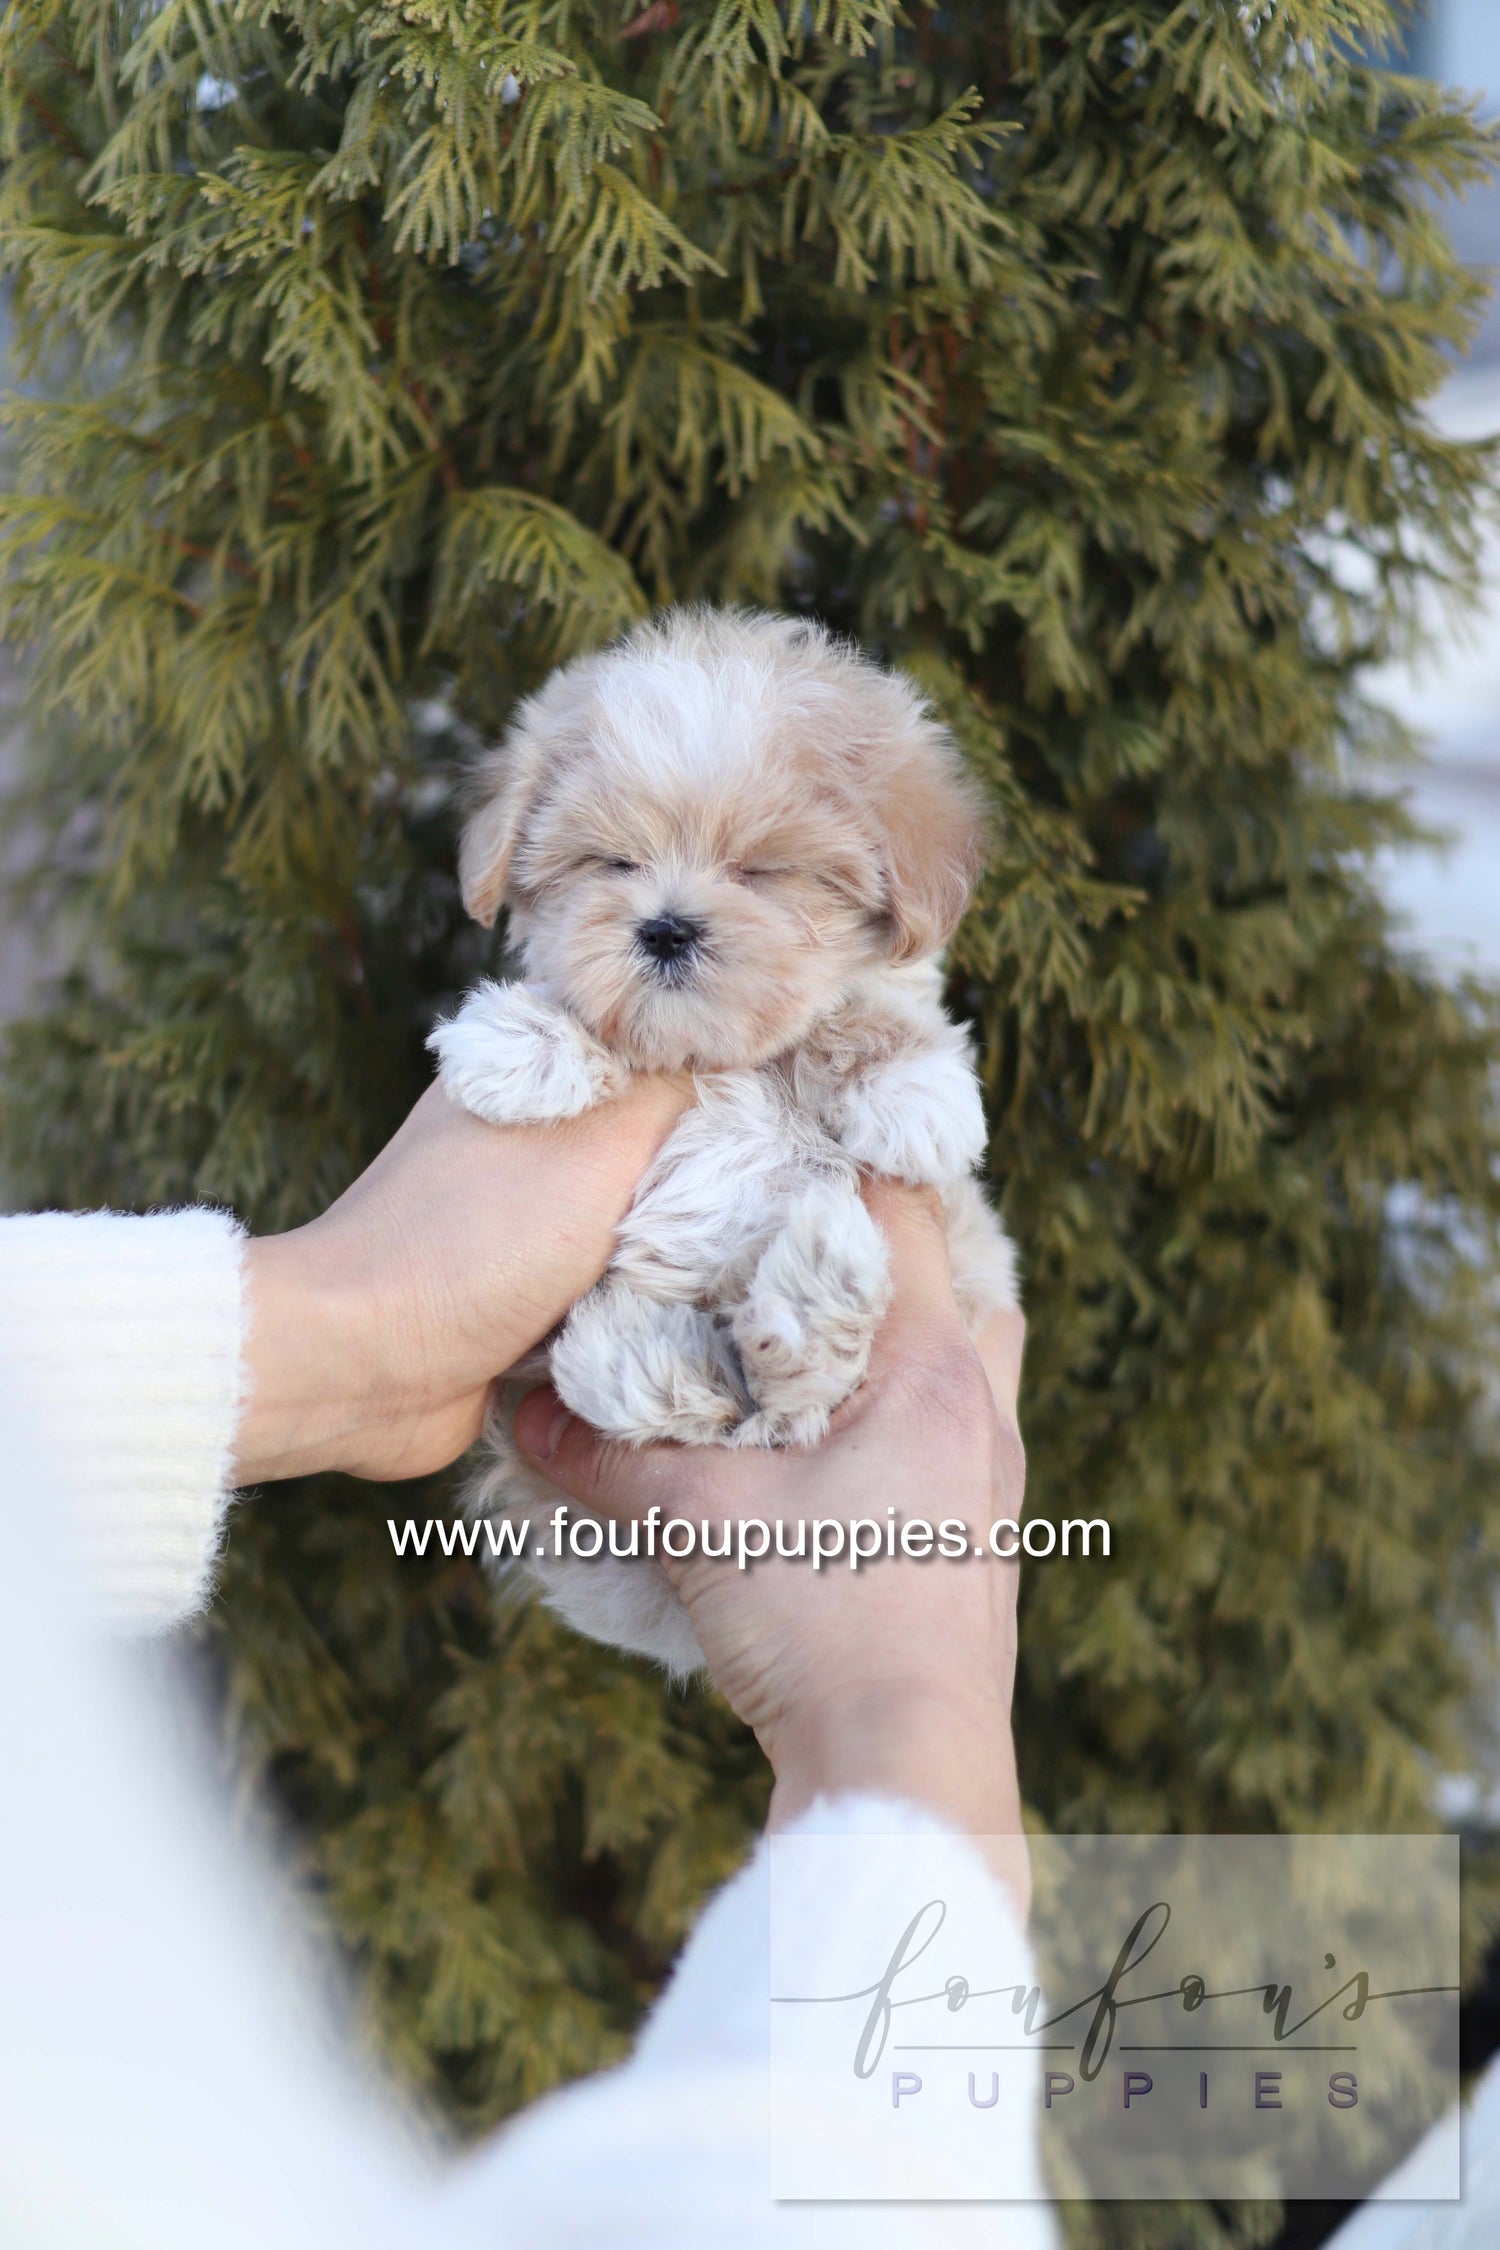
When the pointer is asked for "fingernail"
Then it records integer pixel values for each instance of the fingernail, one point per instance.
(541, 1419)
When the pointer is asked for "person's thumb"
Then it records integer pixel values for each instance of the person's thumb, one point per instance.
(598, 1472)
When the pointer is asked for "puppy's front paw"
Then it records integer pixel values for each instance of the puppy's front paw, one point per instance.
(919, 1117)
(804, 1330)
(514, 1059)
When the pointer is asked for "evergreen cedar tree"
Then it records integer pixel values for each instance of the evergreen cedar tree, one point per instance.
(1073, 357)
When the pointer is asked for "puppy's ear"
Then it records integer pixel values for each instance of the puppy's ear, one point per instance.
(933, 833)
(505, 789)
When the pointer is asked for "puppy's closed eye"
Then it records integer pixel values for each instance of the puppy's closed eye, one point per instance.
(608, 866)
(758, 874)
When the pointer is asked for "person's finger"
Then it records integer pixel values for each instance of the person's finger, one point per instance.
(604, 1150)
(1000, 1342)
(914, 1224)
(916, 1232)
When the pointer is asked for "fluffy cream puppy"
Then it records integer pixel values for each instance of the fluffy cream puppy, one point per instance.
(729, 844)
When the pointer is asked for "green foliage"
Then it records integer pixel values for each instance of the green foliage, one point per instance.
(1073, 356)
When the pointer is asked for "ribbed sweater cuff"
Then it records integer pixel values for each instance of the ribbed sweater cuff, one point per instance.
(125, 1334)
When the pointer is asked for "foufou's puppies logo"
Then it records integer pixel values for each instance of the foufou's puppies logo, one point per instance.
(1226, 2017)
(1284, 2020)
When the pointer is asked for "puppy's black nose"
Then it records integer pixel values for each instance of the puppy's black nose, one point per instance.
(666, 937)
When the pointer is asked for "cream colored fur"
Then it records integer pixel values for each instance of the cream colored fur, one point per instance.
(796, 822)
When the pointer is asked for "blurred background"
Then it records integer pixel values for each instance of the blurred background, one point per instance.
(1452, 898)
(1449, 897)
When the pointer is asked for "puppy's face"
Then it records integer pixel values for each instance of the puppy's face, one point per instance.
(693, 917)
(705, 833)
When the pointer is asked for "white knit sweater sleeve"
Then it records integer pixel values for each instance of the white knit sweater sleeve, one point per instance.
(124, 1335)
(674, 2149)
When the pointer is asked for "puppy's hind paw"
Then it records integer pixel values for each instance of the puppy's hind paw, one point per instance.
(807, 1427)
(643, 1371)
(514, 1059)
(804, 1330)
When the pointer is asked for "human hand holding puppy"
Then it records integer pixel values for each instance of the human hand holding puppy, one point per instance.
(896, 1678)
(374, 1331)
(373, 1334)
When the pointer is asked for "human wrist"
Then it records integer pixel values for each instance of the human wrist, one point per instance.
(945, 1747)
(950, 1755)
(306, 1399)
